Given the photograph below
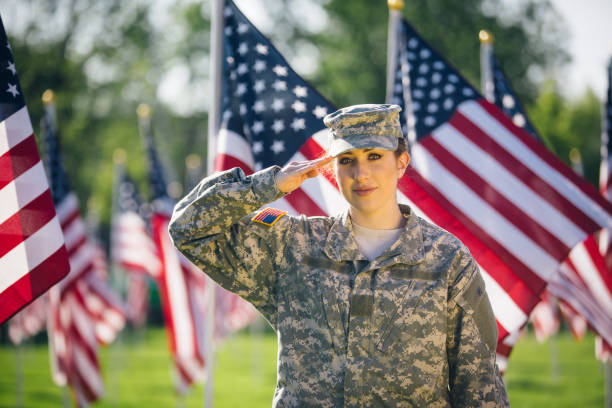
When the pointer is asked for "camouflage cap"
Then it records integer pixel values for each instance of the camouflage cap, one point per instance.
(364, 126)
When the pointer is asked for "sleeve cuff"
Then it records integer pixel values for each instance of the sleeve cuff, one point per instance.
(264, 185)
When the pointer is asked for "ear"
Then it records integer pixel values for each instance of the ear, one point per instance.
(402, 164)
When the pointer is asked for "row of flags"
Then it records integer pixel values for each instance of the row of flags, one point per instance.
(478, 170)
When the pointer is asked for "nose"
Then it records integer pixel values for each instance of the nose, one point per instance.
(361, 171)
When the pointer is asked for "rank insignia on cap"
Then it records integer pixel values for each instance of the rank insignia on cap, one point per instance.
(268, 216)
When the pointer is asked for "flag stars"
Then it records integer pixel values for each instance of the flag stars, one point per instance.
(243, 28)
(243, 48)
(278, 105)
(420, 81)
(425, 53)
(258, 147)
(243, 109)
(280, 70)
(259, 106)
(508, 101)
(448, 104)
(300, 91)
(242, 69)
(12, 89)
(262, 49)
(228, 31)
(435, 93)
(467, 91)
(259, 85)
(449, 88)
(299, 106)
(436, 77)
(227, 12)
(413, 43)
(11, 67)
(259, 65)
(423, 68)
(279, 85)
(298, 124)
(320, 111)
(438, 65)
(241, 89)
(278, 146)
(258, 127)
(278, 126)
(453, 78)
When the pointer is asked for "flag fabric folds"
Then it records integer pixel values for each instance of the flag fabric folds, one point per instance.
(33, 256)
(182, 285)
(83, 311)
(270, 115)
(475, 173)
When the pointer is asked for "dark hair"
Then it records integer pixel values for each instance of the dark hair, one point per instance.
(401, 147)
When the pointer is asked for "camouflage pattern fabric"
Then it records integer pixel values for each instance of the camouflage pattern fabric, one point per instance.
(413, 328)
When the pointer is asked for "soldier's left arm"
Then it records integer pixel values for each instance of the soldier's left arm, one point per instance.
(474, 379)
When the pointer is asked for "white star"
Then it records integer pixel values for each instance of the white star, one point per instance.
(320, 111)
(241, 89)
(429, 120)
(298, 123)
(467, 92)
(259, 65)
(230, 60)
(519, 120)
(242, 68)
(228, 31)
(246, 130)
(432, 107)
(258, 147)
(413, 43)
(12, 89)
(227, 115)
(421, 81)
(277, 146)
(411, 56)
(243, 48)
(435, 93)
(417, 93)
(453, 78)
(508, 101)
(436, 77)
(11, 67)
(416, 106)
(425, 53)
(259, 86)
(280, 70)
(258, 106)
(243, 109)
(423, 68)
(398, 88)
(227, 12)
(448, 104)
(233, 75)
(299, 106)
(258, 166)
(278, 126)
(449, 88)
(279, 85)
(300, 91)
(243, 28)
(278, 104)
(258, 126)
(262, 49)
(438, 65)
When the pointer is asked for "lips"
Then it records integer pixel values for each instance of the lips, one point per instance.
(364, 191)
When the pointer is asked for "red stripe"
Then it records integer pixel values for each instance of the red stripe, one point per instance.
(227, 161)
(503, 349)
(134, 267)
(34, 284)
(590, 246)
(76, 246)
(546, 156)
(18, 160)
(192, 319)
(312, 151)
(26, 222)
(503, 270)
(523, 173)
(70, 218)
(78, 342)
(501, 331)
(303, 204)
(487, 192)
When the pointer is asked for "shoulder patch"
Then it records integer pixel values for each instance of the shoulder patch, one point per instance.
(268, 216)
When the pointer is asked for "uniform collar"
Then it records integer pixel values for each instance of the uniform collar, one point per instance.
(408, 249)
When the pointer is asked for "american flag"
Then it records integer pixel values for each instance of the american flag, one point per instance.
(545, 318)
(182, 285)
(132, 247)
(475, 173)
(270, 115)
(583, 262)
(83, 310)
(32, 252)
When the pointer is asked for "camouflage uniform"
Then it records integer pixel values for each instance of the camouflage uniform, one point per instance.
(412, 328)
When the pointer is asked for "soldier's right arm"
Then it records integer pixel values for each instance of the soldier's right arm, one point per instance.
(211, 227)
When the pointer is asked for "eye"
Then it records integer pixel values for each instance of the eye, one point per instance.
(345, 160)
(374, 156)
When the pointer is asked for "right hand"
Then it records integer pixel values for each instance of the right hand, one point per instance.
(294, 174)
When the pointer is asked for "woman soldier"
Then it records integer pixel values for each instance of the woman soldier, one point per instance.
(373, 307)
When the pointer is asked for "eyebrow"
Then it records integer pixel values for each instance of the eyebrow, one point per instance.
(350, 153)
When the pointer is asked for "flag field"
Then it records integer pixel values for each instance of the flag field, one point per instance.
(136, 373)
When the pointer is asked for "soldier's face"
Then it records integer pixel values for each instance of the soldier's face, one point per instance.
(368, 179)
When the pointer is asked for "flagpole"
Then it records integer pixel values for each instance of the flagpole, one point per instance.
(395, 15)
(216, 55)
(486, 70)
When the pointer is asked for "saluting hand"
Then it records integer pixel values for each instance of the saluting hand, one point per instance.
(294, 174)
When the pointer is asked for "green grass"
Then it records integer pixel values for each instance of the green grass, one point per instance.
(137, 374)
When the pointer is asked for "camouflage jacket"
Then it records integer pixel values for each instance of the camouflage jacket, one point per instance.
(413, 328)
